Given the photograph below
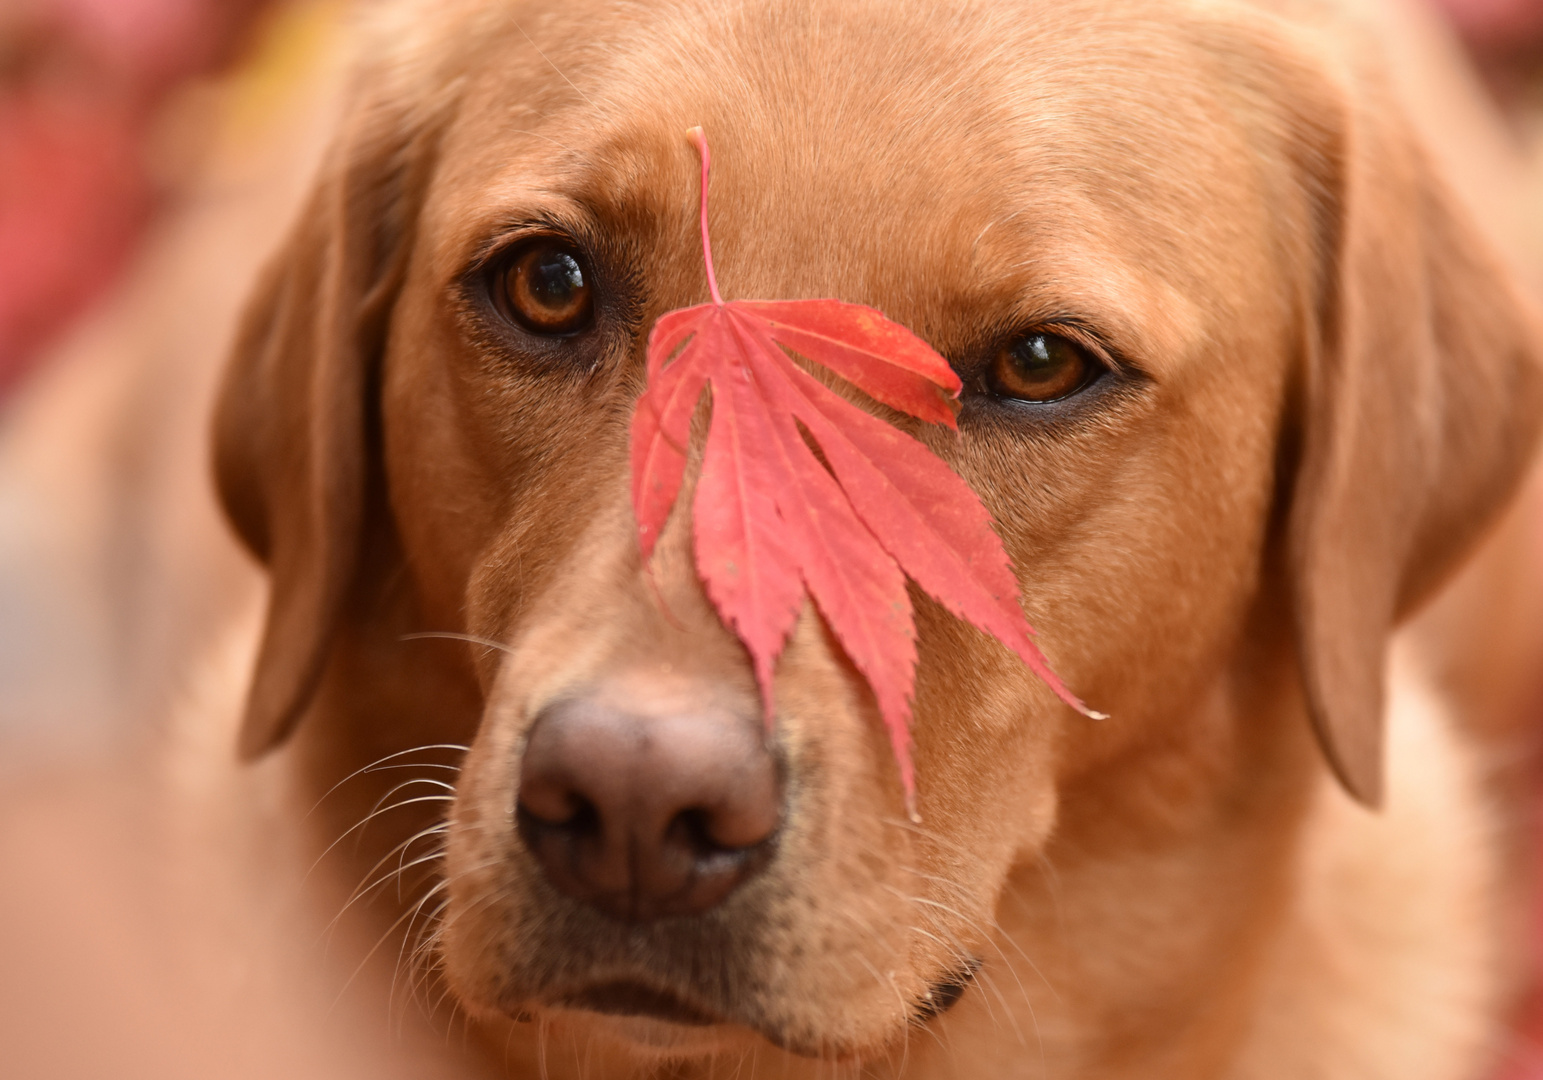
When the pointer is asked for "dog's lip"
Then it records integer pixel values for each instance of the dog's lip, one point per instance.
(945, 993)
(628, 997)
(663, 1011)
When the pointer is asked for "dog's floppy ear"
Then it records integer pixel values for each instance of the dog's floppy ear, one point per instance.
(292, 422)
(1420, 400)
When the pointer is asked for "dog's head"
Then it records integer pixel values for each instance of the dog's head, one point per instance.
(1240, 387)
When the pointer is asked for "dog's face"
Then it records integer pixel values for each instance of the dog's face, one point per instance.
(1136, 232)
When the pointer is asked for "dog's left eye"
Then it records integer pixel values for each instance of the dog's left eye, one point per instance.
(1042, 367)
(545, 289)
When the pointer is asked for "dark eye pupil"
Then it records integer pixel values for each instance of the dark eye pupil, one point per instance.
(555, 279)
(1035, 355)
(544, 290)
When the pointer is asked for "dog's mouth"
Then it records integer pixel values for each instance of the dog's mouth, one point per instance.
(652, 1020)
(655, 1016)
(945, 993)
(628, 998)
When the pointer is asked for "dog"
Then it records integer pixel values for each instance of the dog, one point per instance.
(1289, 388)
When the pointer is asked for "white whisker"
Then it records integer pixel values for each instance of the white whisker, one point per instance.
(451, 636)
(370, 817)
(379, 763)
(549, 63)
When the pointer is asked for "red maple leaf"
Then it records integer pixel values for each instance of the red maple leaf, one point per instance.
(773, 522)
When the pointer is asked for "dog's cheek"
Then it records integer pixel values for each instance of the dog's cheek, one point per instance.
(475, 946)
(988, 738)
(493, 472)
(855, 940)
(436, 484)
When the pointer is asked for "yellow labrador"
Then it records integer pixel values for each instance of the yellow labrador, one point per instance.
(1243, 386)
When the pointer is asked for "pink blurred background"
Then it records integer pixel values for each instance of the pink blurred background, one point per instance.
(82, 85)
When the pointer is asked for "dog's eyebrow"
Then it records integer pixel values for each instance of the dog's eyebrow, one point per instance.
(993, 223)
(504, 5)
(1144, 325)
(512, 227)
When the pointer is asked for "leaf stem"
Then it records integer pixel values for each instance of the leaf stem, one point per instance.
(699, 139)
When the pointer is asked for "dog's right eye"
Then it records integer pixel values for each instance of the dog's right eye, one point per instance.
(545, 288)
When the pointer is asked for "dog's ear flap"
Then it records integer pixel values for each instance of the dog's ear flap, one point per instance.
(291, 433)
(1420, 398)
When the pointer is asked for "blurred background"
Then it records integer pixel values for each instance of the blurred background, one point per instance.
(150, 151)
(88, 89)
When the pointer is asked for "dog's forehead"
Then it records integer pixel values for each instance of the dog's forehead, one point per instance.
(918, 157)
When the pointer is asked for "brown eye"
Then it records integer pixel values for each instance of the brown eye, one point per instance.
(545, 289)
(1042, 367)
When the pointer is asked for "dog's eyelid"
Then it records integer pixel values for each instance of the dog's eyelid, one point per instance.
(501, 243)
(1086, 336)
(1077, 335)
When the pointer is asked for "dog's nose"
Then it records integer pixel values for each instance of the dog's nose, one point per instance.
(647, 816)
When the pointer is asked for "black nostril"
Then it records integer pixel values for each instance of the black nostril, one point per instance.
(647, 816)
(691, 828)
(580, 819)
